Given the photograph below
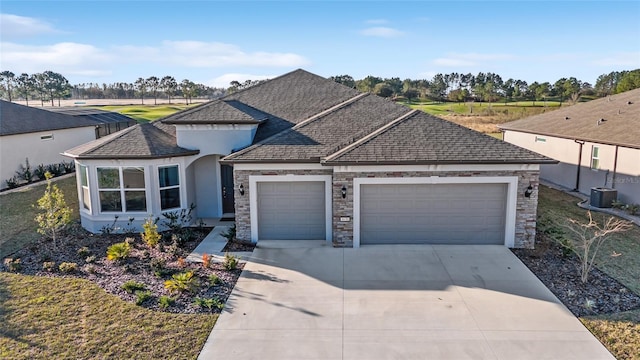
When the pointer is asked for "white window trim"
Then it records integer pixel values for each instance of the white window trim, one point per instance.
(179, 186)
(253, 199)
(593, 157)
(122, 190)
(82, 187)
(512, 197)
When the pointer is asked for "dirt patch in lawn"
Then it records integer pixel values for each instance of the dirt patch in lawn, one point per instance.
(558, 270)
(148, 267)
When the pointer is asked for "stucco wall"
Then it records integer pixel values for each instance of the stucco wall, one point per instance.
(567, 151)
(14, 149)
(215, 139)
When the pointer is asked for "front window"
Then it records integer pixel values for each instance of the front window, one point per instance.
(122, 189)
(84, 183)
(595, 158)
(169, 180)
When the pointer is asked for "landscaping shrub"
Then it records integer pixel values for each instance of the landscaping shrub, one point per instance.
(83, 252)
(25, 172)
(142, 296)
(230, 234)
(90, 259)
(68, 267)
(214, 279)
(12, 264)
(230, 262)
(39, 172)
(165, 301)
(132, 286)
(206, 260)
(118, 251)
(182, 282)
(209, 303)
(150, 235)
(48, 266)
(12, 182)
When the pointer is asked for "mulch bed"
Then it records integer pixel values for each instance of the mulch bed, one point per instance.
(149, 266)
(237, 245)
(559, 272)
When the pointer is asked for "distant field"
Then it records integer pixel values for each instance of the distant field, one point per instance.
(144, 113)
(485, 117)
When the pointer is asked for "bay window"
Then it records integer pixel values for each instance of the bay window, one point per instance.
(122, 189)
(84, 184)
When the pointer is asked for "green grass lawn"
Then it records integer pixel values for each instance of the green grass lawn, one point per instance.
(17, 226)
(56, 318)
(144, 113)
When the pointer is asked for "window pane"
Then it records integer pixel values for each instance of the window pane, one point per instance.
(596, 150)
(85, 198)
(133, 177)
(84, 181)
(108, 178)
(595, 164)
(170, 198)
(110, 201)
(136, 200)
(168, 176)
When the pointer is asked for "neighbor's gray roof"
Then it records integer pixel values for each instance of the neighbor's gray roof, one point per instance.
(19, 119)
(143, 141)
(621, 113)
(98, 116)
(420, 138)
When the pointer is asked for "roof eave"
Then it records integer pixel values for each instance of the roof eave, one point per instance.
(129, 157)
(613, 143)
(444, 162)
(214, 122)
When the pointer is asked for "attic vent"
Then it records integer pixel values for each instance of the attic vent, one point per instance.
(601, 121)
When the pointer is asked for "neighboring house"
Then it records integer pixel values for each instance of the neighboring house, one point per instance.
(302, 157)
(106, 122)
(597, 144)
(40, 136)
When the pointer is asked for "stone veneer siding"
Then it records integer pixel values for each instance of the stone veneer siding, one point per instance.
(526, 208)
(243, 211)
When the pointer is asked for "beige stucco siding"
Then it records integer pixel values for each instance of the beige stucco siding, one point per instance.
(567, 151)
(14, 149)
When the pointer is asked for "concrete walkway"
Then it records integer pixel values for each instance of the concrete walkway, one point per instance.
(213, 244)
(306, 300)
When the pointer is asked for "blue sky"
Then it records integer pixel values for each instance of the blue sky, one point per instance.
(214, 42)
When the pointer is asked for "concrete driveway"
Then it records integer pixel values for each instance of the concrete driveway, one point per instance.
(303, 300)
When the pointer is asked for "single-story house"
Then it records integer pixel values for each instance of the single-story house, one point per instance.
(597, 144)
(42, 135)
(107, 122)
(303, 157)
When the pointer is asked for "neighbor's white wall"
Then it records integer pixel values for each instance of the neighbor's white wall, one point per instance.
(627, 180)
(215, 139)
(14, 149)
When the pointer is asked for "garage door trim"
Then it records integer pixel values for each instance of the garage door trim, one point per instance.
(253, 198)
(512, 187)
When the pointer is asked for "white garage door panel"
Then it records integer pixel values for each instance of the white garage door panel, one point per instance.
(432, 213)
(291, 210)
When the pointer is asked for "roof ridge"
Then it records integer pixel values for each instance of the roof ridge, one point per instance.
(184, 112)
(299, 125)
(370, 136)
(263, 82)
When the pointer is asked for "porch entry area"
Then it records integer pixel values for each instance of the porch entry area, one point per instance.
(213, 184)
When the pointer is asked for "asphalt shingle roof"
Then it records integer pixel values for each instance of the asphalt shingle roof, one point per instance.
(19, 119)
(143, 141)
(96, 115)
(217, 112)
(621, 113)
(420, 138)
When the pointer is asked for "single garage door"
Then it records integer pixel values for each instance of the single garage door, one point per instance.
(432, 213)
(291, 210)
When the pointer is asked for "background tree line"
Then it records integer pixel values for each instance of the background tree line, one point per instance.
(457, 87)
(490, 87)
(51, 86)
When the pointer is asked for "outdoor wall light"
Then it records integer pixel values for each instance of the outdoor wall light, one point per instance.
(241, 189)
(529, 191)
(344, 191)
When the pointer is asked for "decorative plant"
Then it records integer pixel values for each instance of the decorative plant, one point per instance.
(48, 266)
(142, 296)
(214, 279)
(182, 282)
(68, 267)
(230, 262)
(12, 264)
(118, 251)
(132, 286)
(55, 215)
(150, 235)
(209, 303)
(230, 234)
(206, 260)
(24, 172)
(165, 301)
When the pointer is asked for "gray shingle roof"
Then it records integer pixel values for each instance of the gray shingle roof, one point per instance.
(581, 121)
(217, 112)
(98, 116)
(20, 119)
(420, 138)
(143, 141)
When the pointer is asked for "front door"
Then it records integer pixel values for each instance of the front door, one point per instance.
(226, 179)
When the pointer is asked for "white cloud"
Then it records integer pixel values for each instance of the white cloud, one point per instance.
(216, 54)
(224, 80)
(470, 59)
(630, 59)
(15, 26)
(381, 31)
(70, 58)
(377, 21)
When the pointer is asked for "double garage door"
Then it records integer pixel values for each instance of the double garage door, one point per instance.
(389, 213)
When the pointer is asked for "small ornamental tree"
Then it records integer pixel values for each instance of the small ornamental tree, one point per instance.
(150, 235)
(588, 237)
(55, 215)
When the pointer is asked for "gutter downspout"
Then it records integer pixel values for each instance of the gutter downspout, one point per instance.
(581, 143)
(615, 168)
